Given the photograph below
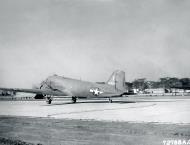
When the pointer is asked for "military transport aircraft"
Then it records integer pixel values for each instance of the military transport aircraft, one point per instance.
(58, 86)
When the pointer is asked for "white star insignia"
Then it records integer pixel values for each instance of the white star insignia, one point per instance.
(96, 91)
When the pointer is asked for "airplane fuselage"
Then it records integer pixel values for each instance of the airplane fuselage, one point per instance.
(78, 88)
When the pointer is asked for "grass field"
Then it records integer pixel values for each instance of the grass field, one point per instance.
(28, 131)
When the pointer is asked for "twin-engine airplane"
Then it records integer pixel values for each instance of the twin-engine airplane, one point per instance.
(62, 87)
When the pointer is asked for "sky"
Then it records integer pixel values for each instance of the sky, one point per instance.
(89, 39)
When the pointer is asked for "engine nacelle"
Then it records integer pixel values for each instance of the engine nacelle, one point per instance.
(39, 96)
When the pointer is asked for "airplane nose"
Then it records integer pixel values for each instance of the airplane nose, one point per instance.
(43, 84)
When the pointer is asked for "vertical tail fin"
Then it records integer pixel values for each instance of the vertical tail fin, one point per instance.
(117, 79)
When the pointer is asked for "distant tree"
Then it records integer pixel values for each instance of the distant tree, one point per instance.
(164, 82)
(140, 84)
(129, 86)
(169, 83)
(185, 82)
(153, 84)
(174, 82)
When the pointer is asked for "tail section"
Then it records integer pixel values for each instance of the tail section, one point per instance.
(117, 79)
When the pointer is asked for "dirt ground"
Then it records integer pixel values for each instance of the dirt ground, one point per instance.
(28, 131)
(162, 109)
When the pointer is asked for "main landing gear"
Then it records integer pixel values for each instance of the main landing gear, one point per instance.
(110, 100)
(49, 100)
(74, 99)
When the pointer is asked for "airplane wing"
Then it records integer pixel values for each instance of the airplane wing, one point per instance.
(38, 91)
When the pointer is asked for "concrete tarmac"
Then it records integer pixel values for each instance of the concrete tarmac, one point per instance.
(158, 109)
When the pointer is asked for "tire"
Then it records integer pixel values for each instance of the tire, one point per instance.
(74, 99)
(49, 101)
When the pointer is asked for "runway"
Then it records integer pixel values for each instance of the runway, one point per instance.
(158, 109)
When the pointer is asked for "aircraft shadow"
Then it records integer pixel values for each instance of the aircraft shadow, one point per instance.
(103, 102)
(88, 102)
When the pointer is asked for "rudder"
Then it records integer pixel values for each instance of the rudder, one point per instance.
(117, 79)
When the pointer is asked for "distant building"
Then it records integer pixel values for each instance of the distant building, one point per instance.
(156, 91)
(174, 90)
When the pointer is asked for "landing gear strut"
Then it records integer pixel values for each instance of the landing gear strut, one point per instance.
(48, 100)
(110, 100)
(74, 99)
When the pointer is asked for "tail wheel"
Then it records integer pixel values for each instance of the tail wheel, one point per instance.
(74, 99)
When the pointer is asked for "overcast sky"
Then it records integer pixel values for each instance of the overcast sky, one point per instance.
(89, 39)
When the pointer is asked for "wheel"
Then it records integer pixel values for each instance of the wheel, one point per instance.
(49, 101)
(74, 99)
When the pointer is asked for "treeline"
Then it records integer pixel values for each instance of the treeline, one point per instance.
(166, 83)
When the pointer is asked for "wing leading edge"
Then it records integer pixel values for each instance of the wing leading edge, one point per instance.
(38, 91)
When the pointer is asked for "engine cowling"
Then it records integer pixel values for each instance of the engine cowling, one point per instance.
(39, 96)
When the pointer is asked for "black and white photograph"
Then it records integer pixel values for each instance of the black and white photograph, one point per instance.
(94, 72)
